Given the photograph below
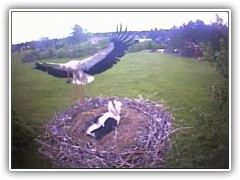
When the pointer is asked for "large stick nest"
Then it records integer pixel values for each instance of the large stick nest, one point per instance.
(140, 141)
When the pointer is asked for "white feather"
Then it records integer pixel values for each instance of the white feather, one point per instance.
(81, 78)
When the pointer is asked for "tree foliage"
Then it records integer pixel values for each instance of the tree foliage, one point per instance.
(208, 52)
(197, 33)
(78, 35)
(222, 59)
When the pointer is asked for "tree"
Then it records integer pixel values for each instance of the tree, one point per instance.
(222, 57)
(218, 58)
(198, 33)
(208, 52)
(78, 35)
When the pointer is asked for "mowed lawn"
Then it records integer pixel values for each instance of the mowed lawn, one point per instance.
(182, 84)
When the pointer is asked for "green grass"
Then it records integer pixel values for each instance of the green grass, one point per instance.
(182, 84)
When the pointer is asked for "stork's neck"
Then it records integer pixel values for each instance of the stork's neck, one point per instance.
(114, 107)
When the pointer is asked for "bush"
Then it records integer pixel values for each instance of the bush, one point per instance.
(21, 135)
(210, 145)
(211, 132)
(147, 45)
(222, 59)
(31, 56)
(73, 51)
(218, 58)
(208, 52)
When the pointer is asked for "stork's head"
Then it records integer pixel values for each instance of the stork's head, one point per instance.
(114, 107)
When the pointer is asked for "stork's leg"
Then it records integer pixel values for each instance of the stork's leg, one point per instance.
(81, 90)
(68, 78)
(74, 93)
(84, 82)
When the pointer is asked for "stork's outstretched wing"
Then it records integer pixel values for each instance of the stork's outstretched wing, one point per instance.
(53, 69)
(110, 55)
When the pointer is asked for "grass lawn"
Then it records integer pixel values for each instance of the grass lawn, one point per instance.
(182, 84)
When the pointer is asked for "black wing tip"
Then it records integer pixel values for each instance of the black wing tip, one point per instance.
(119, 31)
(41, 66)
(122, 36)
(52, 71)
(121, 40)
(38, 65)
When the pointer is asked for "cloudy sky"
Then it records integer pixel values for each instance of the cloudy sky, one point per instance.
(33, 25)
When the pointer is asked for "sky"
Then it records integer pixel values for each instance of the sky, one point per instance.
(34, 25)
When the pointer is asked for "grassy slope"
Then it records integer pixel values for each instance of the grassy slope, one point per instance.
(182, 84)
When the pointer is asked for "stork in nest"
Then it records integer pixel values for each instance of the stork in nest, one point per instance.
(105, 123)
(80, 72)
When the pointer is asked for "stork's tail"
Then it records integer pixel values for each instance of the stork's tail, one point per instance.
(85, 79)
(89, 79)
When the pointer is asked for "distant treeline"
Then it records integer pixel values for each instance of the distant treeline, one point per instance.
(189, 40)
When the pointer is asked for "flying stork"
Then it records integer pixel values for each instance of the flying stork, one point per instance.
(82, 71)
